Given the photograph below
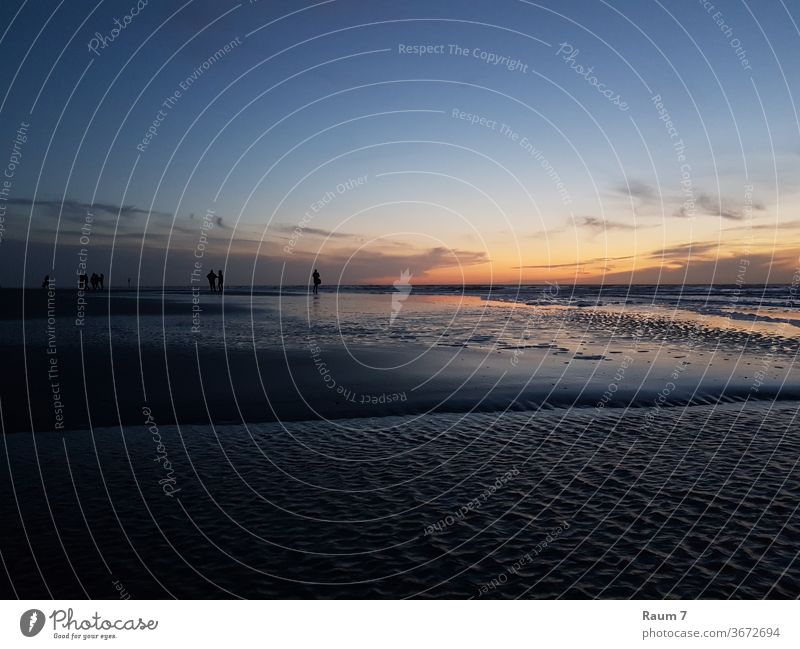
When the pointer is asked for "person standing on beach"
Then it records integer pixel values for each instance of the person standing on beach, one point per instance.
(219, 280)
(94, 281)
(317, 281)
(100, 280)
(211, 279)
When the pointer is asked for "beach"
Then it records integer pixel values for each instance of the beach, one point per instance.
(363, 302)
(283, 356)
(484, 442)
(702, 502)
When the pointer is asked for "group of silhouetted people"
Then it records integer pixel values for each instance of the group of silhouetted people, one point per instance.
(95, 281)
(215, 280)
(84, 281)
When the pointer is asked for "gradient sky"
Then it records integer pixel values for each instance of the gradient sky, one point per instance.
(314, 95)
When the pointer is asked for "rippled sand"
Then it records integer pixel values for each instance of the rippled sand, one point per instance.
(678, 502)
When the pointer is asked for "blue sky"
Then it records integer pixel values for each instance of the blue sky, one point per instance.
(309, 97)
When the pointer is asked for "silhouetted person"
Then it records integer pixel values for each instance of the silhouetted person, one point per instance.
(219, 280)
(211, 279)
(100, 280)
(46, 282)
(94, 281)
(129, 283)
(317, 281)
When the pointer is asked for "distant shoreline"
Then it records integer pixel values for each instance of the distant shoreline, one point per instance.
(333, 288)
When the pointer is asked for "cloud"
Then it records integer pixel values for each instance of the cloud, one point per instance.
(593, 224)
(382, 265)
(636, 189)
(685, 249)
(704, 202)
(259, 262)
(763, 267)
(718, 206)
(218, 221)
(541, 266)
(680, 253)
(785, 225)
(70, 216)
(594, 260)
(289, 228)
(597, 224)
(72, 209)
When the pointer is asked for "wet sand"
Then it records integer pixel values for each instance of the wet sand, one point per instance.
(109, 370)
(299, 447)
(697, 502)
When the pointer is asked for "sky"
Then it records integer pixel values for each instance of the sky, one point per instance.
(498, 141)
